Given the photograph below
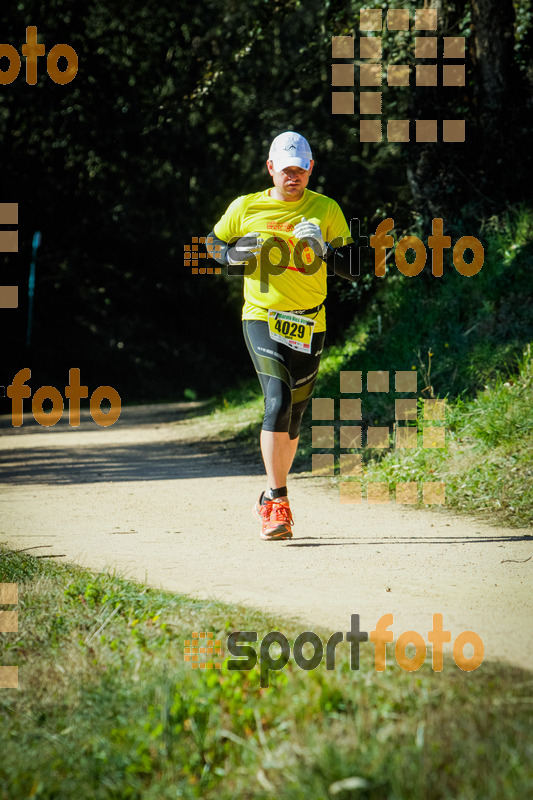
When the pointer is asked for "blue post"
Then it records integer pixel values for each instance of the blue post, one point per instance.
(31, 283)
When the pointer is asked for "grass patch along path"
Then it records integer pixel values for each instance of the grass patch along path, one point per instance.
(107, 708)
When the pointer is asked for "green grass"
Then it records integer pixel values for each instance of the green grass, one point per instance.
(107, 708)
(237, 413)
(487, 463)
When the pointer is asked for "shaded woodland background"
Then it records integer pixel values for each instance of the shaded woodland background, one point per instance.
(170, 117)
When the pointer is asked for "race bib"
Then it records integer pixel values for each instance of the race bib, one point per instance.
(291, 329)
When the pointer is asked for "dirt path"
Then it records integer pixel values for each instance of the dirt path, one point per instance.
(161, 502)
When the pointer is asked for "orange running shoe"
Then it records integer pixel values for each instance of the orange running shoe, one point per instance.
(276, 518)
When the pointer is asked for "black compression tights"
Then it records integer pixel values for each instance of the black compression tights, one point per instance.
(287, 376)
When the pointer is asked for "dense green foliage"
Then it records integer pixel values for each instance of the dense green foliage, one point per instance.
(169, 118)
(108, 709)
(458, 332)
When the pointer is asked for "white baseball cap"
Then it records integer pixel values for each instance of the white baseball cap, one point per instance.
(290, 149)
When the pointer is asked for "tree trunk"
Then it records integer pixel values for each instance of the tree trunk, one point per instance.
(484, 168)
(497, 80)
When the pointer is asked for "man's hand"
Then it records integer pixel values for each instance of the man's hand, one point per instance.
(313, 235)
(246, 247)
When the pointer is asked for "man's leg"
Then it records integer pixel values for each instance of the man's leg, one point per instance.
(278, 452)
(287, 379)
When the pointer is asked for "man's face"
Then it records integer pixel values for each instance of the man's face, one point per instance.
(289, 184)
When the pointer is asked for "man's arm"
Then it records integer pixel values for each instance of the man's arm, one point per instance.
(239, 254)
(343, 260)
(342, 255)
(335, 253)
(216, 248)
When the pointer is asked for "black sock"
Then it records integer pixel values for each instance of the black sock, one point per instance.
(273, 494)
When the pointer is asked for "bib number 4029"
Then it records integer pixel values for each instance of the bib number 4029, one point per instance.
(290, 329)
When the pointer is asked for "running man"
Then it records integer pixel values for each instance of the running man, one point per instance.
(281, 239)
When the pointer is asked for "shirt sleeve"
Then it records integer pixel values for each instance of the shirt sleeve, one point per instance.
(229, 225)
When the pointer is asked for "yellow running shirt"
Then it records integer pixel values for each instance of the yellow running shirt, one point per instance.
(302, 284)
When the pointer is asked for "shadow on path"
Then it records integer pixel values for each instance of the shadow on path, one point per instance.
(305, 541)
(153, 461)
(64, 460)
(130, 417)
